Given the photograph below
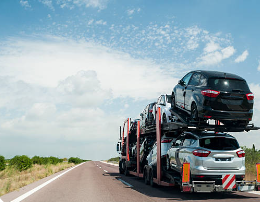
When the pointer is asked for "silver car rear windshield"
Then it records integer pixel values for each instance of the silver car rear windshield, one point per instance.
(219, 143)
(228, 84)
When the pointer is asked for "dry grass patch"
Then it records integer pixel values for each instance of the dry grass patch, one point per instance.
(11, 179)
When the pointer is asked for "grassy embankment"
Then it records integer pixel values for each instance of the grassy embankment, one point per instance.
(17, 174)
(252, 157)
(12, 179)
(113, 160)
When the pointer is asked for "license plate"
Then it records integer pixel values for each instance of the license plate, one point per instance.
(222, 159)
(231, 102)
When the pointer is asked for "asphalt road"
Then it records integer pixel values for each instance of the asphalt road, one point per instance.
(98, 182)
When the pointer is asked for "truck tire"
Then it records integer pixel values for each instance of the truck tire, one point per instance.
(168, 164)
(121, 171)
(151, 178)
(146, 180)
(126, 172)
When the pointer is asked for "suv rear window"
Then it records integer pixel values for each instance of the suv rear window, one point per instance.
(219, 143)
(228, 84)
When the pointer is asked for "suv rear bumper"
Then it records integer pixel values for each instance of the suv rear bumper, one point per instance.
(200, 170)
(216, 178)
(225, 115)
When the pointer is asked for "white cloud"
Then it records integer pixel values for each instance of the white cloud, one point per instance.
(90, 22)
(47, 3)
(25, 4)
(100, 4)
(115, 70)
(101, 22)
(130, 11)
(57, 90)
(211, 47)
(228, 52)
(214, 58)
(242, 57)
(83, 90)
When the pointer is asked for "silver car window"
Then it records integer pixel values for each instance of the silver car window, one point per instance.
(189, 140)
(163, 100)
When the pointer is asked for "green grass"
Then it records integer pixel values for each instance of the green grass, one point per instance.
(115, 159)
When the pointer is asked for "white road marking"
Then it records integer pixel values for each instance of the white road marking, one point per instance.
(129, 185)
(22, 197)
(254, 192)
(1, 200)
(109, 163)
(106, 171)
(99, 167)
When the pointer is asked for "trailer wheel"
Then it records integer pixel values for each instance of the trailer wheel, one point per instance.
(146, 180)
(126, 172)
(168, 165)
(121, 171)
(151, 177)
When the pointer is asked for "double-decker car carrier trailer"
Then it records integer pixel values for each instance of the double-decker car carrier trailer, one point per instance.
(164, 177)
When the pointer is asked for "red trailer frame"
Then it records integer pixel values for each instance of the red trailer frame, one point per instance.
(186, 186)
(158, 139)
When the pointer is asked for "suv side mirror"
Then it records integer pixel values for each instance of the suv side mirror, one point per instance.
(181, 82)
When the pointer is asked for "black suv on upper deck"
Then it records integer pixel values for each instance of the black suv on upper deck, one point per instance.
(214, 95)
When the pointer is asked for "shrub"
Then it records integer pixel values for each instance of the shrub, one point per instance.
(54, 160)
(75, 160)
(45, 160)
(2, 163)
(21, 162)
(37, 160)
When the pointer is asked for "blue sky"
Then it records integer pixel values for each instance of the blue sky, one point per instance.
(73, 70)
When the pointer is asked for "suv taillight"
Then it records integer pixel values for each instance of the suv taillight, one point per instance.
(166, 141)
(250, 96)
(241, 153)
(210, 93)
(201, 153)
(150, 110)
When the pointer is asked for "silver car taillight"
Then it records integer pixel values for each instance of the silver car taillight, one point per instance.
(201, 153)
(241, 153)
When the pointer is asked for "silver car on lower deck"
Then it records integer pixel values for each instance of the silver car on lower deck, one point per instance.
(210, 155)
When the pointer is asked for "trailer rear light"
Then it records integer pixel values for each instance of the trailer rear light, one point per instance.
(201, 153)
(200, 176)
(166, 141)
(210, 93)
(241, 153)
(250, 96)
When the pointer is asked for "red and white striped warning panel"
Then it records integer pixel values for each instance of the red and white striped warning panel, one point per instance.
(229, 181)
